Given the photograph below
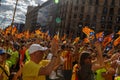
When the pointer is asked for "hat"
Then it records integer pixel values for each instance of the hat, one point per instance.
(36, 47)
(2, 51)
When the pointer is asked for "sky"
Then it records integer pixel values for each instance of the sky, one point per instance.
(7, 9)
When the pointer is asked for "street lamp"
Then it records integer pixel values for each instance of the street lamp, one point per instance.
(14, 13)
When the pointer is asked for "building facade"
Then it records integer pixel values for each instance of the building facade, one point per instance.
(41, 16)
(31, 18)
(100, 15)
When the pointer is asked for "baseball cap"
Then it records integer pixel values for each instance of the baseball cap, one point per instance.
(36, 47)
(2, 51)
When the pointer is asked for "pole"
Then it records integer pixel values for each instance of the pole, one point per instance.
(14, 13)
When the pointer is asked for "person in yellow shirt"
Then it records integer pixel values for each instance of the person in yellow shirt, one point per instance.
(4, 68)
(33, 70)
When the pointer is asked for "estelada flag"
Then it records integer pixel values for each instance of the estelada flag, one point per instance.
(20, 35)
(107, 39)
(87, 31)
(26, 34)
(8, 30)
(14, 29)
(38, 32)
(117, 41)
(56, 37)
(63, 38)
(118, 32)
(100, 35)
(76, 40)
(86, 40)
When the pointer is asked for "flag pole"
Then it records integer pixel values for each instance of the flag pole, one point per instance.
(14, 13)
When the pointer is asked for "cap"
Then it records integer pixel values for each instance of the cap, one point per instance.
(36, 47)
(2, 51)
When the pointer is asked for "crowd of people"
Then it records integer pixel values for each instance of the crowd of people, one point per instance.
(56, 59)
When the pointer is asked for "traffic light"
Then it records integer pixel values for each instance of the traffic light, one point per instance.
(58, 20)
(56, 1)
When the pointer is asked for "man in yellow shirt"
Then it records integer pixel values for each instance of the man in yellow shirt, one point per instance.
(33, 70)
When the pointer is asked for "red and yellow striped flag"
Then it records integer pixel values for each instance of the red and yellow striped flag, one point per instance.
(14, 29)
(76, 40)
(38, 32)
(99, 35)
(118, 32)
(107, 40)
(86, 40)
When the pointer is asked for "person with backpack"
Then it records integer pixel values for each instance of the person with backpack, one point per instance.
(4, 68)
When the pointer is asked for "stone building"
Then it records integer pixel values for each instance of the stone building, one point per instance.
(100, 15)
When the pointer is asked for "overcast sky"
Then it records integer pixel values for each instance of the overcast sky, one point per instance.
(7, 8)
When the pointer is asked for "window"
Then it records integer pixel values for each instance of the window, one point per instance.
(81, 16)
(83, 1)
(106, 2)
(88, 18)
(111, 11)
(93, 26)
(103, 18)
(113, 2)
(76, 7)
(105, 10)
(102, 25)
(109, 26)
(82, 9)
(77, 1)
(90, 2)
(75, 15)
(97, 2)
(119, 11)
(118, 19)
(117, 28)
(87, 24)
(94, 18)
(119, 2)
(89, 10)
(70, 16)
(96, 10)
(110, 18)
(80, 25)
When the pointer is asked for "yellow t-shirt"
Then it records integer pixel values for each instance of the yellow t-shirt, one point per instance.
(5, 77)
(99, 74)
(117, 78)
(30, 71)
(44, 63)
